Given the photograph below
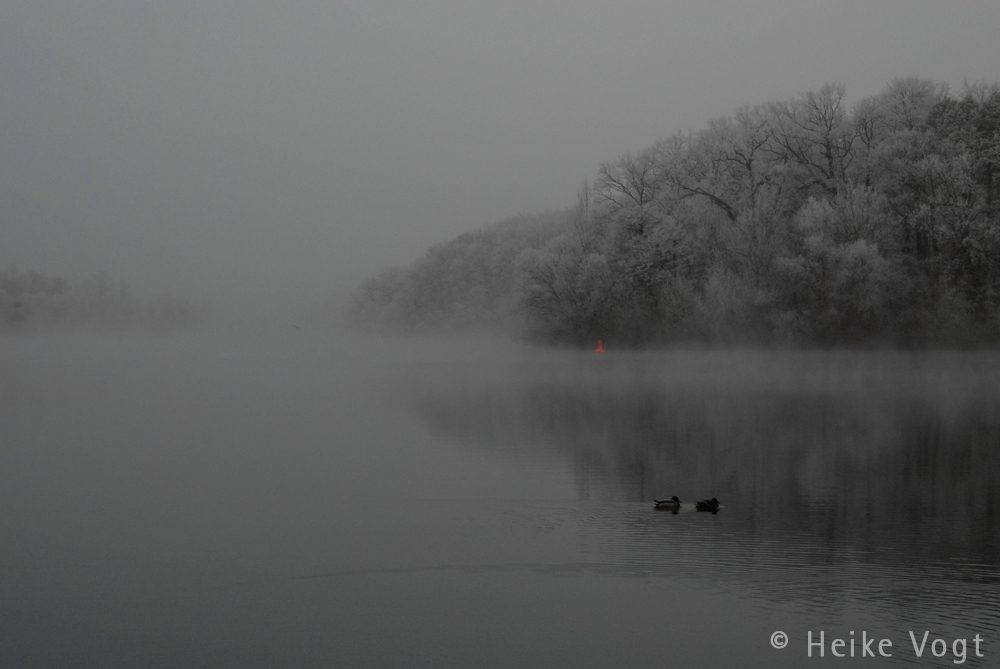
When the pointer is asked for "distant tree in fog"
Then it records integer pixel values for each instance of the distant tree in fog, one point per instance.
(470, 282)
(32, 300)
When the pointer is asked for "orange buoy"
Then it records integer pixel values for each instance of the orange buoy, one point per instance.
(600, 346)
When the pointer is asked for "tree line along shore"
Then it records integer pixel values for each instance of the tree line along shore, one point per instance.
(801, 223)
(34, 301)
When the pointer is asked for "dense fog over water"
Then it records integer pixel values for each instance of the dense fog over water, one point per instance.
(291, 497)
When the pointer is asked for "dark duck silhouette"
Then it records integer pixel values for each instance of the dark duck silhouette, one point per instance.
(707, 505)
(671, 504)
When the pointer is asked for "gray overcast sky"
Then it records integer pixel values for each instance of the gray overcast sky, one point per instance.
(235, 150)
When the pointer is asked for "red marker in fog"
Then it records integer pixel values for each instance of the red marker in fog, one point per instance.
(600, 346)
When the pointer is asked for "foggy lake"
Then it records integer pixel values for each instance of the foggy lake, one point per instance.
(300, 498)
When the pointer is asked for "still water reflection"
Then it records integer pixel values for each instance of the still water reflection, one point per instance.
(856, 485)
(296, 499)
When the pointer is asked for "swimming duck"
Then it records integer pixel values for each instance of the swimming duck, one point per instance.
(707, 505)
(672, 503)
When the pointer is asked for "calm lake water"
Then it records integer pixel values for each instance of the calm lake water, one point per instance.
(295, 498)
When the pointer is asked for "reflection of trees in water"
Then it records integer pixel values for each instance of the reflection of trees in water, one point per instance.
(891, 459)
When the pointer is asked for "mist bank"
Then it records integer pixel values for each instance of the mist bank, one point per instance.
(33, 301)
(798, 223)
